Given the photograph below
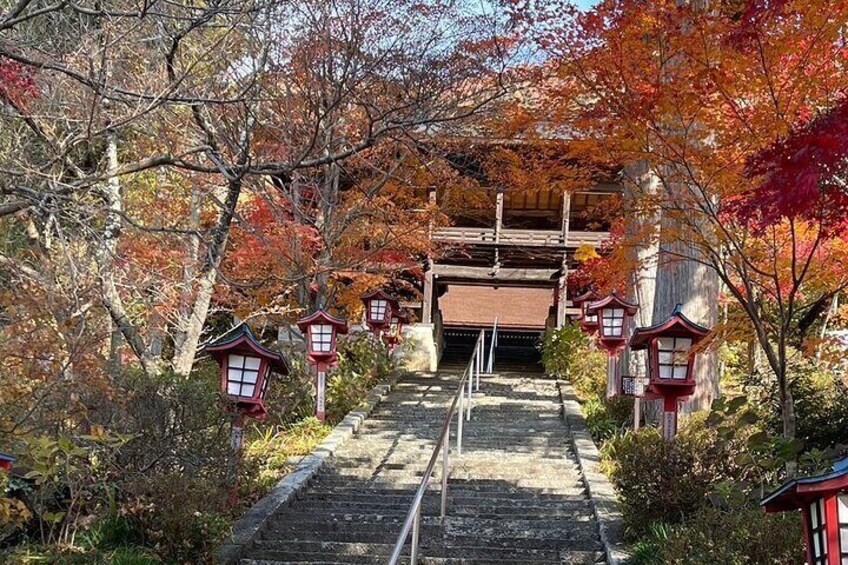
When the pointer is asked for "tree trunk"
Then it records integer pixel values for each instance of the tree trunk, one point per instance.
(695, 286)
(643, 229)
(789, 422)
(189, 335)
(105, 254)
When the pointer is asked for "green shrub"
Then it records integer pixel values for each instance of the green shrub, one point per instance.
(562, 348)
(183, 517)
(265, 458)
(736, 536)
(662, 481)
(362, 364)
(567, 353)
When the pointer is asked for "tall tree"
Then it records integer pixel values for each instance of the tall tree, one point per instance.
(696, 93)
(150, 125)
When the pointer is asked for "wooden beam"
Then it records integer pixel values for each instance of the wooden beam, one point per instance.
(485, 273)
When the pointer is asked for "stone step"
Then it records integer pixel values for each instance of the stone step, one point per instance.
(515, 495)
(575, 558)
(381, 484)
(295, 524)
(269, 548)
(282, 557)
(338, 486)
(377, 456)
(583, 539)
(481, 509)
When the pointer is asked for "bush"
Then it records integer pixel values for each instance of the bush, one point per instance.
(183, 517)
(736, 536)
(362, 364)
(140, 477)
(265, 458)
(562, 348)
(567, 353)
(662, 481)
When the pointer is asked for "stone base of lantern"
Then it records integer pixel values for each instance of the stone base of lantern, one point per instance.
(420, 350)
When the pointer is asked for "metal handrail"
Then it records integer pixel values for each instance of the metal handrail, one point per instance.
(412, 524)
(494, 343)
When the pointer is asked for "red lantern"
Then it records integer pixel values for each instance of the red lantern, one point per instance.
(611, 314)
(671, 362)
(245, 369)
(379, 307)
(6, 461)
(588, 321)
(321, 330)
(823, 501)
(396, 322)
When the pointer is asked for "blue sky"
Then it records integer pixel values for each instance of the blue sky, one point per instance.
(583, 4)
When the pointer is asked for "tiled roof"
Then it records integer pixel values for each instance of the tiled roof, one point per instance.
(477, 306)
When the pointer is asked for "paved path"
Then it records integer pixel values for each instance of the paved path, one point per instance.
(515, 496)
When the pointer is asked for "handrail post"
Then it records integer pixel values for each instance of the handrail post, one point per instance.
(492, 345)
(445, 473)
(472, 366)
(468, 417)
(480, 352)
(416, 527)
(459, 426)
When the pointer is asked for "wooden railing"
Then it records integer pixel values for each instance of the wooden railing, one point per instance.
(518, 238)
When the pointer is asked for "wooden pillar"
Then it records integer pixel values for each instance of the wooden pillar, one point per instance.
(562, 289)
(566, 212)
(499, 206)
(499, 203)
(427, 300)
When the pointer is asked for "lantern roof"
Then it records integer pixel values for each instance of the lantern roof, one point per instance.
(241, 340)
(322, 317)
(614, 301)
(798, 492)
(586, 296)
(380, 294)
(677, 325)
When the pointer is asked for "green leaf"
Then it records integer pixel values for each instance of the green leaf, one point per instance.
(736, 404)
(53, 517)
(759, 440)
(748, 419)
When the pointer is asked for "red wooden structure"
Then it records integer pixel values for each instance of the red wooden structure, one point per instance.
(671, 360)
(246, 366)
(321, 330)
(379, 307)
(6, 461)
(823, 501)
(588, 321)
(393, 336)
(612, 315)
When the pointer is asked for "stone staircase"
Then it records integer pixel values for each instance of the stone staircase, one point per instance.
(515, 494)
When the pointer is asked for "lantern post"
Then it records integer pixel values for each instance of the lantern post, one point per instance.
(379, 307)
(823, 501)
(671, 362)
(612, 315)
(588, 320)
(246, 366)
(395, 333)
(321, 330)
(6, 461)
